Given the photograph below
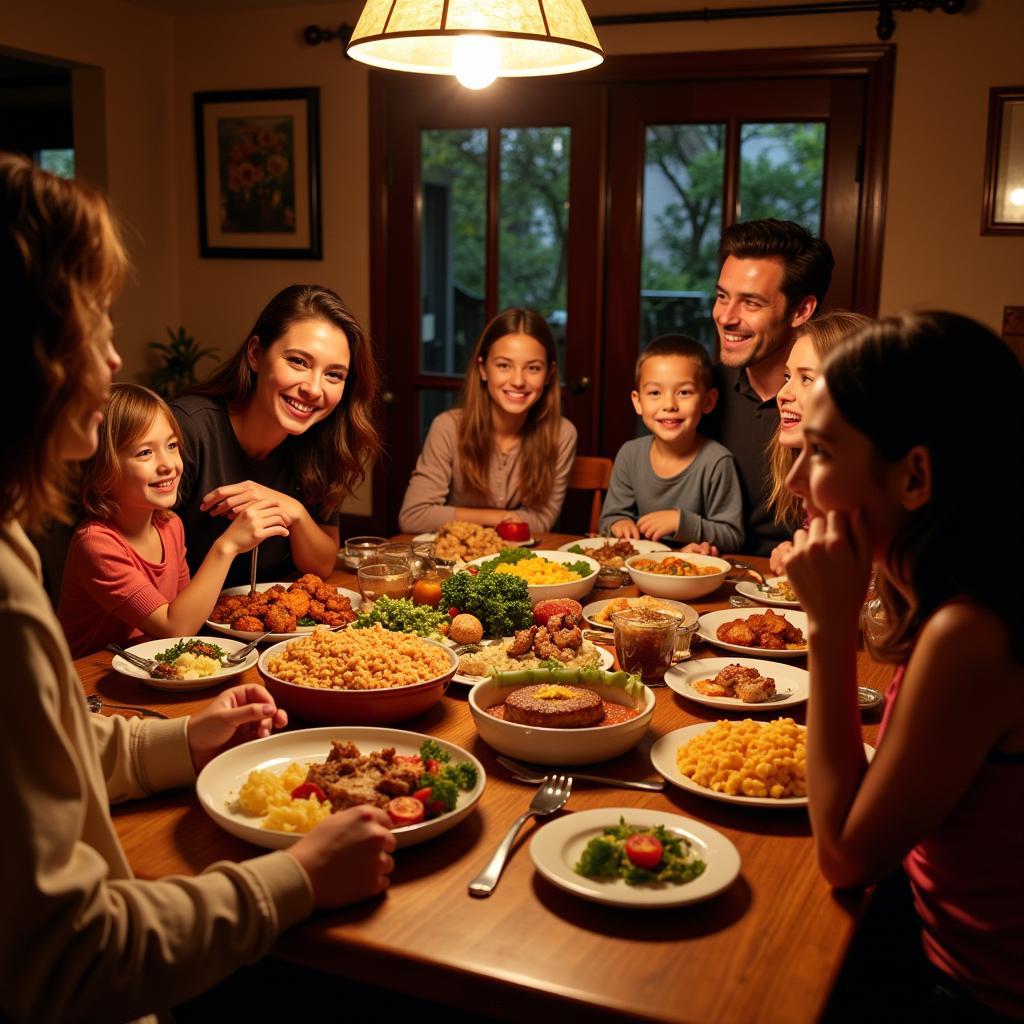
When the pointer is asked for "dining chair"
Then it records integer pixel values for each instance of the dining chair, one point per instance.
(591, 473)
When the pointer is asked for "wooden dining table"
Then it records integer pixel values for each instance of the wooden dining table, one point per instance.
(768, 948)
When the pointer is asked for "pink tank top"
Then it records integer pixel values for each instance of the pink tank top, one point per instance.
(968, 881)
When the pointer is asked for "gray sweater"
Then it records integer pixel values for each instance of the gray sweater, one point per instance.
(707, 493)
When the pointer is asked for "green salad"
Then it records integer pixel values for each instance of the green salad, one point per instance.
(402, 616)
(640, 856)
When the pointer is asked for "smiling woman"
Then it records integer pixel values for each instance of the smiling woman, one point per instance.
(286, 420)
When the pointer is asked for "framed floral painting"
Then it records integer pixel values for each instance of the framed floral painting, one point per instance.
(258, 167)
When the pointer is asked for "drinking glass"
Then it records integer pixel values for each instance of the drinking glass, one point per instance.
(358, 548)
(645, 641)
(384, 579)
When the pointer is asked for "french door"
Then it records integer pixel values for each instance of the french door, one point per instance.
(598, 201)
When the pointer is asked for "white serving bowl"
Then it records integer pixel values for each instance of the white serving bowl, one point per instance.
(559, 746)
(678, 588)
(576, 589)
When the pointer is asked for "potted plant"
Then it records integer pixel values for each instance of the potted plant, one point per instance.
(178, 360)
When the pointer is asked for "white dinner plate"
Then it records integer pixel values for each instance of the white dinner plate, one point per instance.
(605, 663)
(792, 684)
(242, 634)
(596, 607)
(709, 622)
(557, 846)
(663, 757)
(151, 648)
(424, 538)
(643, 547)
(748, 588)
(219, 782)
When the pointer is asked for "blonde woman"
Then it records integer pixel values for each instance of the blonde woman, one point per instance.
(817, 338)
(80, 937)
(506, 452)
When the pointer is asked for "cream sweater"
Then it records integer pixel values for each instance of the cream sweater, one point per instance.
(80, 938)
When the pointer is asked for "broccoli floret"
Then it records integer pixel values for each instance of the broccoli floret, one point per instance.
(601, 858)
(431, 750)
(507, 557)
(501, 602)
(463, 774)
(583, 569)
(442, 789)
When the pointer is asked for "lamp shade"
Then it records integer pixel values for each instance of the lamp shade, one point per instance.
(523, 37)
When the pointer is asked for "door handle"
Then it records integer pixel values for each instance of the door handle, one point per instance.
(578, 385)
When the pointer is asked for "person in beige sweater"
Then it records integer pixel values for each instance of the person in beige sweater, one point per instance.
(80, 938)
(506, 453)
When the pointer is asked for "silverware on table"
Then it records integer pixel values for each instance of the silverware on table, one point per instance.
(531, 773)
(252, 571)
(763, 584)
(146, 664)
(96, 705)
(552, 795)
(237, 657)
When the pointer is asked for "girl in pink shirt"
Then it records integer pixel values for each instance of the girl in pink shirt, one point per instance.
(906, 434)
(125, 575)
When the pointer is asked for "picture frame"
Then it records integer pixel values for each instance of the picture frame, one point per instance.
(1003, 205)
(258, 173)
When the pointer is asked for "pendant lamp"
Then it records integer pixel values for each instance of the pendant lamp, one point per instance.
(476, 40)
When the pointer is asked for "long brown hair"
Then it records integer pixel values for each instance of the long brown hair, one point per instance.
(539, 442)
(896, 383)
(61, 264)
(333, 455)
(825, 332)
(126, 419)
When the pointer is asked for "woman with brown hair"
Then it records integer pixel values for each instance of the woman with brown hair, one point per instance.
(80, 937)
(505, 453)
(288, 418)
(817, 338)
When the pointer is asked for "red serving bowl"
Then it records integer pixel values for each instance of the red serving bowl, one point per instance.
(384, 706)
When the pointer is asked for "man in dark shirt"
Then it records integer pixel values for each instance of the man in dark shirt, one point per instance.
(773, 277)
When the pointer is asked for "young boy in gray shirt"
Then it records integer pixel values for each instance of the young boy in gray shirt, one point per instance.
(675, 484)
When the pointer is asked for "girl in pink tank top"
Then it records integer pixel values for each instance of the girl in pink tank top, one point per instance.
(902, 446)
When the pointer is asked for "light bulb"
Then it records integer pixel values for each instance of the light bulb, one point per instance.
(1017, 197)
(476, 61)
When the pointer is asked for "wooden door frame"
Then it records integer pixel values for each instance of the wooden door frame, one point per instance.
(874, 64)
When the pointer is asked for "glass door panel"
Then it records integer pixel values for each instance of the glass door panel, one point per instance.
(782, 172)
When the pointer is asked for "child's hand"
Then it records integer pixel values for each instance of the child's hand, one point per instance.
(242, 713)
(777, 560)
(231, 499)
(829, 568)
(347, 856)
(625, 528)
(700, 548)
(656, 525)
(254, 523)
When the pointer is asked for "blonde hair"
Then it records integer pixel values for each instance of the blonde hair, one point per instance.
(539, 441)
(61, 264)
(130, 411)
(825, 332)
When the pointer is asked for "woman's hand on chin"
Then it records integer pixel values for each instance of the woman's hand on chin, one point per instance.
(231, 499)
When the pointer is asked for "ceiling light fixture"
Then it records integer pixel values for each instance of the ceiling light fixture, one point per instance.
(476, 40)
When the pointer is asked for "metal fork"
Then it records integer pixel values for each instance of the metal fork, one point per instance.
(96, 705)
(242, 653)
(146, 664)
(528, 773)
(552, 795)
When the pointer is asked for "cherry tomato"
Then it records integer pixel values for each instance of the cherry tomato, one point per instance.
(472, 569)
(408, 758)
(308, 789)
(432, 766)
(423, 795)
(452, 612)
(406, 810)
(644, 850)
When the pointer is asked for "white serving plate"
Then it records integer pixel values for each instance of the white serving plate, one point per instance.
(690, 615)
(663, 757)
(426, 538)
(643, 547)
(242, 634)
(606, 662)
(748, 588)
(219, 782)
(557, 846)
(710, 621)
(792, 684)
(151, 648)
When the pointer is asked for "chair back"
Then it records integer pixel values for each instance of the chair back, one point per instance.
(591, 473)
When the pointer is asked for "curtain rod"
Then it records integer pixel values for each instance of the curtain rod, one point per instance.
(885, 26)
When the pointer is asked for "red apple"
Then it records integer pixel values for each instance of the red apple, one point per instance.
(514, 532)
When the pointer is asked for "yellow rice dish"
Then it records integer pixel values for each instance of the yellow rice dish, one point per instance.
(539, 571)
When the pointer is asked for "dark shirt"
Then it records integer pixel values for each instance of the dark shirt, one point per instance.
(213, 458)
(745, 425)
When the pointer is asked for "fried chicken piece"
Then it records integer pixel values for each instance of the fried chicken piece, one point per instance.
(338, 618)
(324, 593)
(280, 620)
(522, 642)
(773, 623)
(309, 583)
(248, 624)
(771, 642)
(733, 674)
(755, 691)
(736, 632)
(297, 602)
(338, 603)
(794, 635)
(569, 639)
